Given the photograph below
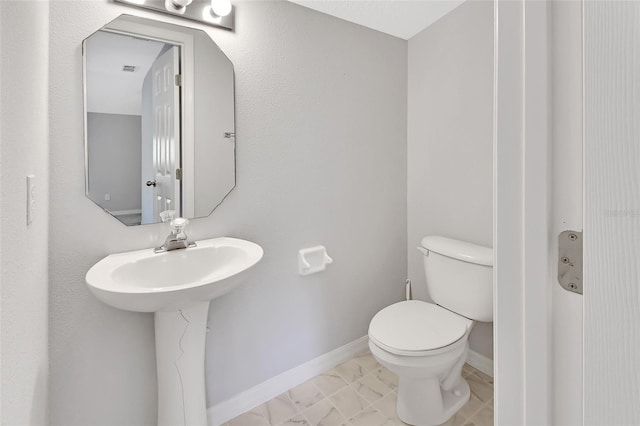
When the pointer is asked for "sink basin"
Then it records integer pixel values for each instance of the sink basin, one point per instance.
(145, 281)
(177, 286)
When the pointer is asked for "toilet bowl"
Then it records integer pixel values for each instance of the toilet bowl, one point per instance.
(425, 344)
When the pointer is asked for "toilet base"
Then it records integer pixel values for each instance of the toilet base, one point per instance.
(431, 388)
(422, 402)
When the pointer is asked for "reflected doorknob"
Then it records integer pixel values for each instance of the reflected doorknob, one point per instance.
(151, 183)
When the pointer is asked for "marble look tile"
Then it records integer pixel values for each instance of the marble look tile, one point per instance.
(367, 361)
(280, 409)
(484, 417)
(471, 407)
(456, 420)
(298, 420)
(387, 377)
(368, 401)
(351, 371)
(484, 377)
(305, 395)
(329, 382)
(387, 406)
(348, 401)
(371, 388)
(255, 417)
(324, 414)
(368, 417)
(481, 389)
(467, 369)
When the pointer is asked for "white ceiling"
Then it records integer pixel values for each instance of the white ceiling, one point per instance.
(109, 89)
(120, 92)
(399, 18)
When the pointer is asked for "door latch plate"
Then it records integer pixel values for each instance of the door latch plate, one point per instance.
(570, 261)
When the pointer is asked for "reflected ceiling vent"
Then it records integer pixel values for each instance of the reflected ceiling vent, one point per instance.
(129, 68)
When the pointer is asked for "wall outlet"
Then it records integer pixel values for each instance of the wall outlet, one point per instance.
(31, 198)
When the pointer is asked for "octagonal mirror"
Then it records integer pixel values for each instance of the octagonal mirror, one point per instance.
(159, 120)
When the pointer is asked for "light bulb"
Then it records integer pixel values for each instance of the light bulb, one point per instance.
(221, 7)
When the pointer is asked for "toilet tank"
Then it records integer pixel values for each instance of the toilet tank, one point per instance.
(459, 276)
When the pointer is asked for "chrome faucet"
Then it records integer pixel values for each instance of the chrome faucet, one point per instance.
(177, 239)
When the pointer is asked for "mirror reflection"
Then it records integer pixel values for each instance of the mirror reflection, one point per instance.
(159, 125)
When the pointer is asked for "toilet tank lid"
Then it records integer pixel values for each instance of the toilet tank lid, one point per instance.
(460, 250)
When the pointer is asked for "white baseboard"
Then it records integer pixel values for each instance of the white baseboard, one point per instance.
(480, 362)
(124, 212)
(251, 398)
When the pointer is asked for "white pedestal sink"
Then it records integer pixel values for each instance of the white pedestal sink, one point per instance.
(178, 286)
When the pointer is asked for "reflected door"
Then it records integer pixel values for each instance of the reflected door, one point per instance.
(166, 132)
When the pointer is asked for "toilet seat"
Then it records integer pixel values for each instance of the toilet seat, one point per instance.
(416, 328)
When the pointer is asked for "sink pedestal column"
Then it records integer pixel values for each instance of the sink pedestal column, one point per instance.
(180, 344)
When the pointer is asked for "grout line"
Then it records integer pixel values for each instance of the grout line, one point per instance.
(483, 405)
(300, 411)
(372, 404)
(470, 415)
(295, 406)
(368, 405)
(349, 385)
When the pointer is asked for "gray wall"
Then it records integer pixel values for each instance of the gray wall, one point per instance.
(321, 124)
(24, 32)
(115, 156)
(214, 154)
(450, 145)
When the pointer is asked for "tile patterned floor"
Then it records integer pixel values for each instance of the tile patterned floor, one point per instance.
(360, 392)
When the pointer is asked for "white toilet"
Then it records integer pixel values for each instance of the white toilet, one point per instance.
(425, 344)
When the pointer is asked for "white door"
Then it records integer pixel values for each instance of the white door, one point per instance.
(611, 212)
(166, 132)
(566, 343)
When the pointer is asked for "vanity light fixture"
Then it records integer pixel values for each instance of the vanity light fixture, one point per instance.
(216, 13)
(221, 7)
(177, 6)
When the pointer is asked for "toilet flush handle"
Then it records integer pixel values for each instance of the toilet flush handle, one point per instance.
(423, 250)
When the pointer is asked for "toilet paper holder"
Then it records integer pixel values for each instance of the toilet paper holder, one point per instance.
(312, 260)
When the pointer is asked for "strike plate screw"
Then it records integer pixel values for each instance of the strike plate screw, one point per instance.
(565, 259)
(573, 286)
(573, 237)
